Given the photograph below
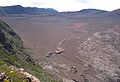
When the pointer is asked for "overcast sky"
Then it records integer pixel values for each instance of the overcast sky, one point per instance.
(66, 5)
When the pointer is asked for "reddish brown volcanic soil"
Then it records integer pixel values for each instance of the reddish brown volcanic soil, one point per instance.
(40, 34)
(62, 44)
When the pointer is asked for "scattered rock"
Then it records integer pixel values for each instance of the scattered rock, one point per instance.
(2, 77)
(67, 80)
(49, 54)
(59, 50)
(75, 80)
(27, 75)
(73, 69)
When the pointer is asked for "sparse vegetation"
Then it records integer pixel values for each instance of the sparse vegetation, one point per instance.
(16, 56)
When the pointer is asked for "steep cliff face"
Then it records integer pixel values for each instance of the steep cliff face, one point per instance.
(9, 40)
(11, 47)
(11, 43)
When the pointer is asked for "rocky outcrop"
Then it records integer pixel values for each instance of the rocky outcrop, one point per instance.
(26, 74)
(59, 50)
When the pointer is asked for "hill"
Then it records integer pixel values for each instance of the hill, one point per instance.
(85, 13)
(117, 11)
(18, 9)
(91, 11)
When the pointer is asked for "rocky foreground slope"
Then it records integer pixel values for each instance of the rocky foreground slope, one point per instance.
(15, 63)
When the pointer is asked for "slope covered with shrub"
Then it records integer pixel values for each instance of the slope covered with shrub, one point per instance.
(13, 53)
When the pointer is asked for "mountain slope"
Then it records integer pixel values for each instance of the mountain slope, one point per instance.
(13, 53)
(117, 12)
(91, 11)
(18, 9)
(85, 13)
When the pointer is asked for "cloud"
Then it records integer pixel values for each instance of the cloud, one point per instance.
(84, 1)
(105, 4)
(66, 5)
(37, 3)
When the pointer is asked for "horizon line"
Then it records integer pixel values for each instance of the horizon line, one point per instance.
(57, 10)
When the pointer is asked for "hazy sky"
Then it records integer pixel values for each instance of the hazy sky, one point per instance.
(65, 5)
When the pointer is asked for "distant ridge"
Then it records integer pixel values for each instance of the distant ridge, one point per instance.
(85, 13)
(91, 11)
(117, 11)
(18, 9)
